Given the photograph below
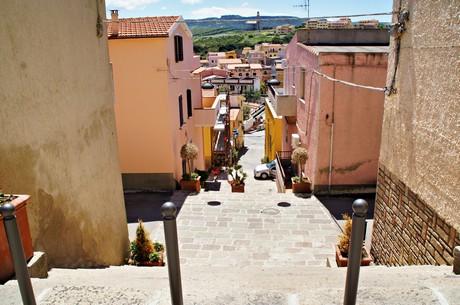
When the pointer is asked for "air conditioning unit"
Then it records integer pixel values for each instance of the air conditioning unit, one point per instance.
(295, 140)
(284, 63)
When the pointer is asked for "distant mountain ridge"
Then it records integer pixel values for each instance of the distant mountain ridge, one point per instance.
(239, 22)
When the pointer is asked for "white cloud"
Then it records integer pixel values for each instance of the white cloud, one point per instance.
(164, 8)
(128, 4)
(191, 1)
(244, 4)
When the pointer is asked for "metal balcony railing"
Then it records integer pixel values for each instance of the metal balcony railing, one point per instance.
(283, 170)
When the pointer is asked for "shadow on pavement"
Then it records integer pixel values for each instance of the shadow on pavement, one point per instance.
(343, 205)
(147, 205)
(242, 151)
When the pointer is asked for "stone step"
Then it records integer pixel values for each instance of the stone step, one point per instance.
(223, 285)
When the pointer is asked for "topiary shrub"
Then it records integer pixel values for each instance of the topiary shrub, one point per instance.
(300, 156)
(188, 152)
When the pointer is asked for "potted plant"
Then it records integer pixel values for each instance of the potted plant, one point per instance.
(190, 181)
(156, 259)
(343, 247)
(6, 262)
(300, 184)
(143, 252)
(238, 178)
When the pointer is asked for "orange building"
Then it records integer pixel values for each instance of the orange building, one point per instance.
(155, 97)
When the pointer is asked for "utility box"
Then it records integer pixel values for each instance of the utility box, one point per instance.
(295, 140)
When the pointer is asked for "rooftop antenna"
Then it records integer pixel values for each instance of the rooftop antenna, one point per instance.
(306, 6)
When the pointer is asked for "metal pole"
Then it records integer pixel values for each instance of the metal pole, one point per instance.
(17, 253)
(354, 255)
(172, 251)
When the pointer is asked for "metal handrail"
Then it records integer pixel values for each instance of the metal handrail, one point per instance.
(280, 165)
(280, 172)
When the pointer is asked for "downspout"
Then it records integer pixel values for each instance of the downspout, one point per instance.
(331, 137)
(330, 156)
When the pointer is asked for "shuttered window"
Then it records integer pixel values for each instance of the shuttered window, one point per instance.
(181, 115)
(178, 48)
(189, 103)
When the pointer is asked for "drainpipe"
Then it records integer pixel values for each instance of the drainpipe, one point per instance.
(330, 156)
(331, 137)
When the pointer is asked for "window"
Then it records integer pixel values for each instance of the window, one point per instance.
(178, 48)
(181, 115)
(189, 103)
(302, 84)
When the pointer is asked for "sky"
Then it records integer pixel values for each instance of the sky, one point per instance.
(198, 9)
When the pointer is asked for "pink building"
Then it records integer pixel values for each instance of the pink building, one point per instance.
(340, 125)
(155, 98)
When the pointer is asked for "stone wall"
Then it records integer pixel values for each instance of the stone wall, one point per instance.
(418, 235)
(417, 217)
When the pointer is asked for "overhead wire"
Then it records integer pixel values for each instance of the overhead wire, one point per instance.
(348, 83)
(251, 18)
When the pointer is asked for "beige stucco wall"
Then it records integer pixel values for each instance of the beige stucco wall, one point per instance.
(148, 83)
(58, 140)
(420, 139)
(143, 116)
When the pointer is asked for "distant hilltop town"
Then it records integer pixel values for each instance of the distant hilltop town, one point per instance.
(343, 23)
(274, 22)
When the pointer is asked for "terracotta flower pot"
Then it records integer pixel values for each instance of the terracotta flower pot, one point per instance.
(343, 261)
(190, 185)
(152, 264)
(237, 188)
(6, 262)
(301, 187)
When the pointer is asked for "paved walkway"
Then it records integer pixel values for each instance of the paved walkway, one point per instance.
(253, 229)
(220, 228)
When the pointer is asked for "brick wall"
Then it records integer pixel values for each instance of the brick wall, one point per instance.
(406, 230)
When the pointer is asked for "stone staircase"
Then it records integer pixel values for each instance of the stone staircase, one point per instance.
(254, 285)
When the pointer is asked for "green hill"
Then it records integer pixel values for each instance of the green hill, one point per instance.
(229, 32)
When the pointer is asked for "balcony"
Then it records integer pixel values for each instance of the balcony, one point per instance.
(208, 116)
(285, 105)
(205, 117)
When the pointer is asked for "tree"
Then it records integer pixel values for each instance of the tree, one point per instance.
(251, 95)
(246, 111)
(300, 156)
(188, 152)
(263, 88)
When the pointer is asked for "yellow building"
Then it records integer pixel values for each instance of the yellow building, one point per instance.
(273, 131)
(231, 54)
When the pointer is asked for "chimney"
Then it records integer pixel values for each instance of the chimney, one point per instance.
(114, 14)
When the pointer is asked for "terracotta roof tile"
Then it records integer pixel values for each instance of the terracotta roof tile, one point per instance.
(142, 26)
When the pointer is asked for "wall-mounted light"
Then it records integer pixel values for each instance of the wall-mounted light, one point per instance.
(274, 82)
(207, 85)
